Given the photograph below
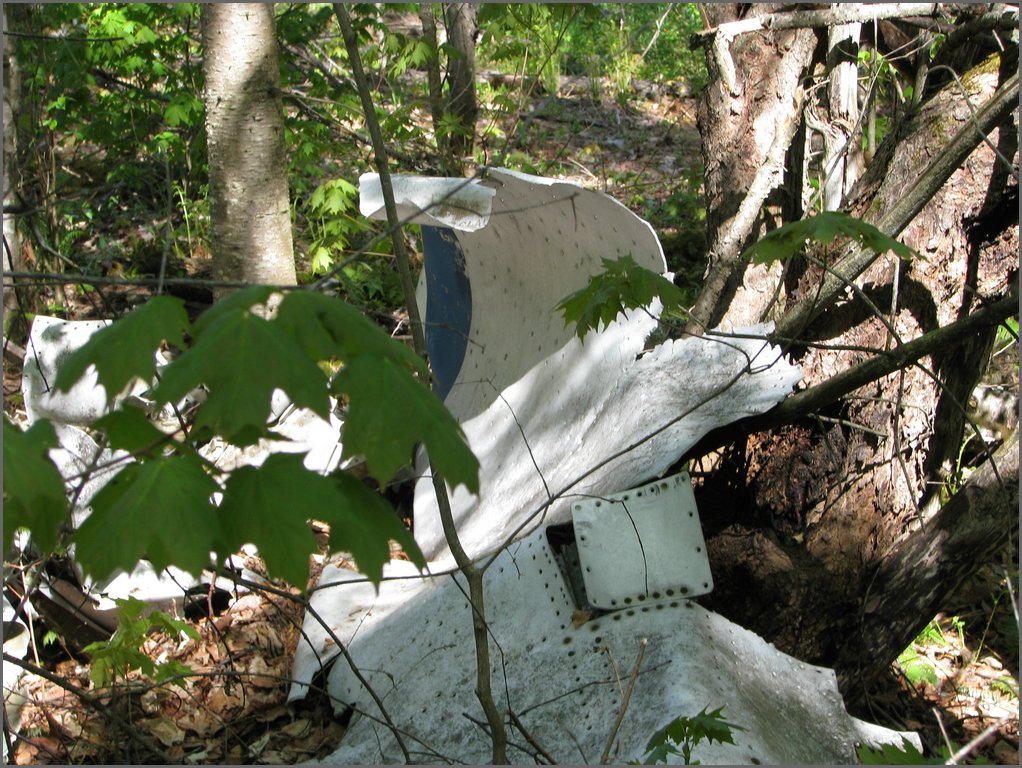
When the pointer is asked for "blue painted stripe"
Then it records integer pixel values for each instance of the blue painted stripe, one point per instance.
(448, 305)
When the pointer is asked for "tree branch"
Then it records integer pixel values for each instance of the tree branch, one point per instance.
(830, 391)
(894, 220)
(846, 13)
(473, 575)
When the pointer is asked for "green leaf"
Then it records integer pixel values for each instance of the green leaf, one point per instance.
(233, 303)
(917, 668)
(823, 228)
(242, 359)
(890, 754)
(171, 669)
(129, 429)
(327, 327)
(712, 727)
(172, 626)
(160, 509)
(33, 488)
(623, 285)
(270, 506)
(390, 412)
(687, 732)
(124, 350)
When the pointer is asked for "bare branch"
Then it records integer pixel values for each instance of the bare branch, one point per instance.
(624, 702)
(473, 575)
(810, 400)
(845, 13)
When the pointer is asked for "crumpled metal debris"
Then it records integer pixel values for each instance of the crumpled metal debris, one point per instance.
(554, 420)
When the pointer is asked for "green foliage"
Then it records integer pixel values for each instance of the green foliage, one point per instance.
(823, 228)
(609, 41)
(683, 734)
(122, 653)
(528, 35)
(259, 507)
(331, 213)
(33, 488)
(907, 754)
(387, 435)
(917, 668)
(161, 506)
(623, 285)
(160, 509)
(242, 359)
(123, 351)
(891, 754)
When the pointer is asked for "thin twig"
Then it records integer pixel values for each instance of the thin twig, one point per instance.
(971, 746)
(473, 575)
(624, 703)
(529, 738)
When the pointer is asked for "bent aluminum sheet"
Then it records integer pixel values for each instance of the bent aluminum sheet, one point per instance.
(413, 643)
(549, 415)
(552, 421)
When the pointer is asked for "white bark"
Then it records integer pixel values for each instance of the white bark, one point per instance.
(249, 208)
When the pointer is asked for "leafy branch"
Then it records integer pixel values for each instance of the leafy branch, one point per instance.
(161, 506)
(683, 734)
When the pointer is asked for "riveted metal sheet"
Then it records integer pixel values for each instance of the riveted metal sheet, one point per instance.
(642, 545)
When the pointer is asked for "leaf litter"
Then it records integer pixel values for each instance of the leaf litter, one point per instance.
(230, 710)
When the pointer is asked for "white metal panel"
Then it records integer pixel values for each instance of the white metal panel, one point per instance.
(642, 545)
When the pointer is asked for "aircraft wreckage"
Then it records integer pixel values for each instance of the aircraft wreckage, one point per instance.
(593, 553)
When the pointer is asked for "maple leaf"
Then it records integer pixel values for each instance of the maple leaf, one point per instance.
(390, 412)
(622, 285)
(784, 242)
(33, 488)
(263, 357)
(125, 350)
(326, 327)
(129, 429)
(160, 510)
(270, 506)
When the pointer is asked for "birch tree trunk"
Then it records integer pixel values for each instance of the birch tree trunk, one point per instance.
(250, 214)
(461, 73)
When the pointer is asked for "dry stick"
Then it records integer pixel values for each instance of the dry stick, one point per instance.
(968, 748)
(529, 738)
(473, 575)
(624, 703)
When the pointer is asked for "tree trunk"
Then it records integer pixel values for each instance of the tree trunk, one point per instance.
(803, 519)
(435, 85)
(17, 298)
(923, 570)
(461, 74)
(746, 127)
(250, 216)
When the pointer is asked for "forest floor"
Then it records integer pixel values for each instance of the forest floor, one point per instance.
(232, 708)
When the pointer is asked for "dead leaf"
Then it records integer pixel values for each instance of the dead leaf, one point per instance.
(297, 729)
(578, 617)
(263, 675)
(164, 729)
